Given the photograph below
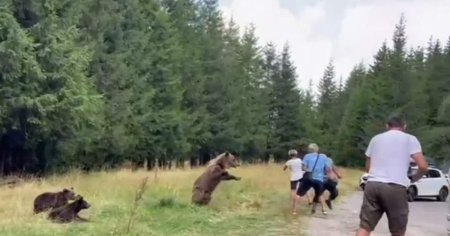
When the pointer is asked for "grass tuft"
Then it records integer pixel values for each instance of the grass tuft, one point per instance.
(167, 202)
(139, 193)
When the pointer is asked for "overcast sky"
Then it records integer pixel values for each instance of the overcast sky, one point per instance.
(347, 31)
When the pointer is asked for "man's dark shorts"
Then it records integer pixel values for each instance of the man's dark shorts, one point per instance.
(388, 198)
(295, 184)
(307, 184)
(331, 186)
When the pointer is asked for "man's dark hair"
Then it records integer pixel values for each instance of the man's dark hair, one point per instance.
(395, 122)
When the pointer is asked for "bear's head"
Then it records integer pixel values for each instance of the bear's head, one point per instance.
(69, 194)
(81, 203)
(227, 160)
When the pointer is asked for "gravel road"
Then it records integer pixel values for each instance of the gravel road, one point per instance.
(426, 217)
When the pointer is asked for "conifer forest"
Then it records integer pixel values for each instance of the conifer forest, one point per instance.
(94, 84)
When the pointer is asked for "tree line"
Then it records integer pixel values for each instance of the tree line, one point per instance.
(92, 84)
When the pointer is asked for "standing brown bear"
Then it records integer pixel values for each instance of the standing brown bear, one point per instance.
(69, 212)
(46, 201)
(215, 172)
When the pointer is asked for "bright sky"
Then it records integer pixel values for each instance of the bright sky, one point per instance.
(347, 31)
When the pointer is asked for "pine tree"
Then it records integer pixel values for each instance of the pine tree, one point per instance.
(256, 101)
(436, 80)
(327, 88)
(437, 138)
(287, 126)
(271, 69)
(327, 103)
(221, 103)
(308, 113)
(417, 108)
(436, 132)
(379, 65)
(114, 68)
(399, 71)
(60, 108)
(183, 17)
(351, 136)
(354, 81)
(20, 79)
(161, 120)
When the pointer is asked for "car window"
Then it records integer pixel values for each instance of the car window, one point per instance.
(433, 174)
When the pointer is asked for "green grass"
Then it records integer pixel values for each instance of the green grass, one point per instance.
(256, 205)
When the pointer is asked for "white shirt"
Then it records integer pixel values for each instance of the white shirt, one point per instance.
(295, 165)
(389, 154)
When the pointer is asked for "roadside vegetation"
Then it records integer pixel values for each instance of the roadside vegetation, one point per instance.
(256, 205)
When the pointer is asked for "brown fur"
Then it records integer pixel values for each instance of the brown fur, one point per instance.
(46, 201)
(69, 212)
(215, 172)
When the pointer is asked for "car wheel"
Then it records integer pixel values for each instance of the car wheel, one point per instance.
(443, 194)
(412, 194)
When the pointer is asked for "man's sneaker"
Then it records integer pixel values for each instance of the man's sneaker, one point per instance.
(328, 202)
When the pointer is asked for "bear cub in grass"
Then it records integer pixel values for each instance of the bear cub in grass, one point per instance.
(69, 212)
(215, 172)
(48, 200)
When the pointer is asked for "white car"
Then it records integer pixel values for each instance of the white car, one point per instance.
(433, 184)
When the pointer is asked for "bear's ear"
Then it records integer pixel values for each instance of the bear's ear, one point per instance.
(227, 154)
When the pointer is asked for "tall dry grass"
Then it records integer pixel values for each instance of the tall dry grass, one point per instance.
(258, 204)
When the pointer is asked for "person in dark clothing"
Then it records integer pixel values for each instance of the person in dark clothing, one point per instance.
(330, 183)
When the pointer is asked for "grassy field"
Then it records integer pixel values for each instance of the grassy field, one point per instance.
(256, 205)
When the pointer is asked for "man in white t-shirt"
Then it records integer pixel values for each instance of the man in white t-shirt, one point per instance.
(388, 161)
(295, 165)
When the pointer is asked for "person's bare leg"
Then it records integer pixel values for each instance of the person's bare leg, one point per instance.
(304, 198)
(309, 199)
(322, 204)
(294, 202)
(301, 200)
(362, 232)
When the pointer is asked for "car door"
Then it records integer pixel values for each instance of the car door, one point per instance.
(424, 185)
(435, 183)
